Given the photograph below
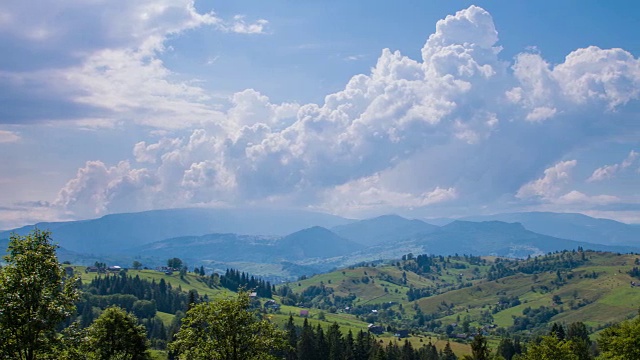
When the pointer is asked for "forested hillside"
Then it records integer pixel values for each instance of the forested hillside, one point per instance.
(570, 304)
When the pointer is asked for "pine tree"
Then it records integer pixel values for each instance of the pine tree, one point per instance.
(292, 339)
(479, 348)
(306, 343)
(447, 353)
(322, 347)
(336, 343)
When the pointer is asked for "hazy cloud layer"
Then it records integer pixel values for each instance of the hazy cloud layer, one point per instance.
(99, 60)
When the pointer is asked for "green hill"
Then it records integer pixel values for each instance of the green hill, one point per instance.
(515, 296)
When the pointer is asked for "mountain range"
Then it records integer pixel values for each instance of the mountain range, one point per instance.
(113, 233)
(295, 243)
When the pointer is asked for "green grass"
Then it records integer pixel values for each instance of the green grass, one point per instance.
(158, 355)
(609, 298)
(190, 281)
(165, 317)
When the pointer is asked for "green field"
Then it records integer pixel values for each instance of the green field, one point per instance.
(597, 292)
(598, 302)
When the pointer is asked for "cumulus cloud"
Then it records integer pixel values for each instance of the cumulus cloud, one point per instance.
(98, 187)
(370, 194)
(150, 153)
(588, 77)
(548, 186)
(460, 124)
(609, 171)
(550, 189)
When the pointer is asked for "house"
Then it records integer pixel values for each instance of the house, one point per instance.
(401, 334)
(114, 268)
(91, 269)
(253, 295)
(304, 313)
(375, 329)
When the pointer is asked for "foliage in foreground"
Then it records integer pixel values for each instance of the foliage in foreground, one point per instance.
(34, 297)
(227, 330)
(117, 335)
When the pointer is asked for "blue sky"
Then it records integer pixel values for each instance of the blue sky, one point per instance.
(422, 108)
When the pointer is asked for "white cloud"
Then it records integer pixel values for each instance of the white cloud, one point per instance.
(609, 171)
(541, 113)
(576, 197)
(150, 153)
(370, 194)
(238, 25)
(98, 187)
(458, 125)
(102, 57)
(9, 137)
(548, 186)
(588, 77)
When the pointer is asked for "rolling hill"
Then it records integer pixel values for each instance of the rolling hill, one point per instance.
(565, 287)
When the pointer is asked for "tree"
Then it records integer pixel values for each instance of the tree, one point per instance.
(336, 344)
(479, 349)
(506, 349)
(549, 348)
(447, 353)
(292, 340)
(227, 330)
(557, 331)
(620, 341)
(174, 263)
(578, 334)
(306, 344)
(117, 335)
(34, 296)
(136, 265)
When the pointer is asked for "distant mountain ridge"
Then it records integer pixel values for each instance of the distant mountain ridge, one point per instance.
(483, 238)
(305, 241)
(500, 238)
(382, 229)
(571, 226)
(112, 233)
(314, 242)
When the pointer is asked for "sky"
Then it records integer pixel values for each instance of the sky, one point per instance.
(357, 108)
